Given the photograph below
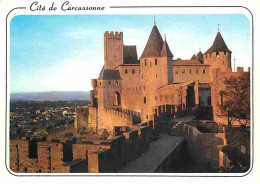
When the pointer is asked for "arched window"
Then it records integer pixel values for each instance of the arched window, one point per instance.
(204, 71)
(117, 83)
(217, 54)
(133, 71)
(126, 71)
(225, 53)
(155, 62)
(144, 100)
(117, 97)
(145, 62)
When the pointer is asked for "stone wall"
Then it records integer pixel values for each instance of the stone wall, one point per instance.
(131, 86)
(203, 148)
(109, 118)
(81, 118)
(185, 73)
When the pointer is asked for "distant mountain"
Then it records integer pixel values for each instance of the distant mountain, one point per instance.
(50, 96)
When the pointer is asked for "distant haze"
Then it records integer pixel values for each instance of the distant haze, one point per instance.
(50, 96)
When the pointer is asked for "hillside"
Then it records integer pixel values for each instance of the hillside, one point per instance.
(50, 96)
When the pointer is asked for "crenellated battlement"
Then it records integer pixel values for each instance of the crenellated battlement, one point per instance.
(81, 110)
(112, 34)
(120, 114)
(229, 72)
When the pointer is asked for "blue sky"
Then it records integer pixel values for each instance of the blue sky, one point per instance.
(64, 52)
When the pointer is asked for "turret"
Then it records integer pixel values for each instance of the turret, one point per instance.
(156, 70)
(113, 49)
(218, 55)
(166, 63)
(150, 72)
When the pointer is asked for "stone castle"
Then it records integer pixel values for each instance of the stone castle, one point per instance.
(131, 91)
(133, 101)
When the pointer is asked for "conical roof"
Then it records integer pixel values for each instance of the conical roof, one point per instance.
(199, 56)
(154, 44)
(219, 45)
(193, 57)
(166, 52)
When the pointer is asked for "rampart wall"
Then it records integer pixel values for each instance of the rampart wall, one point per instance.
(109, 118)
(203, 148)
(185, 73)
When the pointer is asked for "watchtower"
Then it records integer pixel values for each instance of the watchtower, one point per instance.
(113, 49)
(218, 55)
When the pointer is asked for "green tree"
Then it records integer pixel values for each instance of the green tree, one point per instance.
(236, 98)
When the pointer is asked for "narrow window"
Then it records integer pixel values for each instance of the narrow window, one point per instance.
(117, 83)
(176, 71)
(145, 62)
(155, 97)
(156, 75)
(144, 87)
(217, 54)
(204, 71)
(100, 83)
(183, 71)
(190, 71)
(142, 76)
(109, 82)
(197, 71)
(225, 53)
(146, 116)
(133, 71)
(221, 98)
(155, 62)
(126, 71)
(144, 100)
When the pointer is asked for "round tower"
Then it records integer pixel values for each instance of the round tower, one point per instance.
(156, 71)
(218, 55)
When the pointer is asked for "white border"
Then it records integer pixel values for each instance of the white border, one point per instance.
(166, 10)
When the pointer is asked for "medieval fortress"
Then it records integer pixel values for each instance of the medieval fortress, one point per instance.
(130, 91)
(132, 102)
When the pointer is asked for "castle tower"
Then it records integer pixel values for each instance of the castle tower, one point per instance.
(199, 57)
(156, 71)
(166, 64)
(218, 55)
(108, 89)
(113, 49)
